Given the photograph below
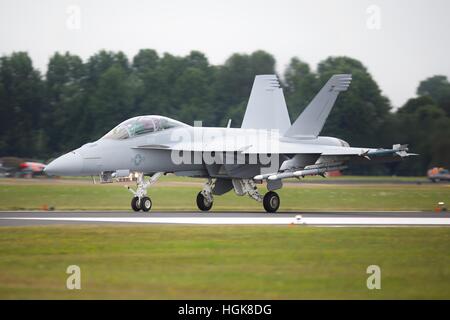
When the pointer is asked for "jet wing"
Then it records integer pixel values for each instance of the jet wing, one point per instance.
(296, 148)
(288, 148)
(337, 158)
(280, 148)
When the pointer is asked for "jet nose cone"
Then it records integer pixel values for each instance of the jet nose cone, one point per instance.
(70, 164)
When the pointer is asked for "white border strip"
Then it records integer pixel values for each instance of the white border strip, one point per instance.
(255, 220)
(374, 221)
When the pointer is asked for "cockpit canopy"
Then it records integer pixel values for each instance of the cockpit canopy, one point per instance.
(142, 125)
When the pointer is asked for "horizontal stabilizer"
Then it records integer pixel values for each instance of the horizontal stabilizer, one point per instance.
(312, 119)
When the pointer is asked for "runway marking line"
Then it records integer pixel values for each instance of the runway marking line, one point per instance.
(299, 220)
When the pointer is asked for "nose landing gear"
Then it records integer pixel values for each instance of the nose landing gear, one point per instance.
(141, 201)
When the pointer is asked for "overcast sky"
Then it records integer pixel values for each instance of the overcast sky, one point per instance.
(400, 41)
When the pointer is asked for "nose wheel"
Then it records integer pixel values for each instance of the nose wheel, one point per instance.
(146, 204)
(135, 204)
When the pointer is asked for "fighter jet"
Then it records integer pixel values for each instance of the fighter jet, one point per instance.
(266, 149)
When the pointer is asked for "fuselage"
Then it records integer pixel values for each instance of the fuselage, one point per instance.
(156, 150)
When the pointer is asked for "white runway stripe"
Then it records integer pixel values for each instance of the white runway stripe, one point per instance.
(374, 221)
(254, 220)
(176, 220)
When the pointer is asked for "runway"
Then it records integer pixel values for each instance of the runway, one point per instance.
(369, 218)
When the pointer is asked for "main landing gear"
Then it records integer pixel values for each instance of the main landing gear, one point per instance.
(205, 198)
(271, 200)
(141, 201)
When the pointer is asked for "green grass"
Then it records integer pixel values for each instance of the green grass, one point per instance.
(240, 262)
(182, 197)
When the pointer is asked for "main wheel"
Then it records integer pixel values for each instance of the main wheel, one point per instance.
(271, 201)
(203, 203)
(146, 204)
(135, 204)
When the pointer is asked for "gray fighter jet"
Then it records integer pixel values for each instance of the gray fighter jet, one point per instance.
(267, 148)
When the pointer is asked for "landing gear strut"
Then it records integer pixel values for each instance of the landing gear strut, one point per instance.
(141, 201)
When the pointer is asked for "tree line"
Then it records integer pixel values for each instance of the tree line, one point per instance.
(75, 101)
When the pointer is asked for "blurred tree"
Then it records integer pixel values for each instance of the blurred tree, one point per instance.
(21, 106)
(65, 99)
(146, 60)
(109, 86)
(424, 126)
(198, 60)
(4, 110)
(113, 100)
(233, 84)
(438, 88)
(150, 87)
(101, 62)
(301, 86)
(413, 104)
(177, 87)
(170, 68)
(194, 97)
(440, 144)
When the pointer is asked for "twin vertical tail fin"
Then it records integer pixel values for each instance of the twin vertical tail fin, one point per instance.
(312, 119)
(266, 108)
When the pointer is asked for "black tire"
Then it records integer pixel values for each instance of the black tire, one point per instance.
(146, 204)
(271, 201)
(135, 204)
(202, 203)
